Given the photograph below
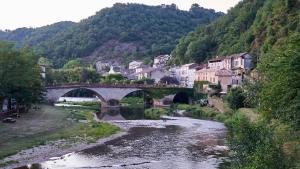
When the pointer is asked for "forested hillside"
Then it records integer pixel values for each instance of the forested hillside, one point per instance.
(253, 25)
(123, 32)
(33, 36)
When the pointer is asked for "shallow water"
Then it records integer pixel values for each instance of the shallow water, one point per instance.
(178, 143)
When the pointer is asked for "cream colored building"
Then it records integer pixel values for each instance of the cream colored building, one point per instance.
(134, 65)
(215, 76)
(241, 61)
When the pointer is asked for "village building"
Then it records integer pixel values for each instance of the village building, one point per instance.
(134, 65)
(185, 74)
(228, 71)
(102, 66)
(115, 70)
(161, 61)
(236, 62)
(151, 73)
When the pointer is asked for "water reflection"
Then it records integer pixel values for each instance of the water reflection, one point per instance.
(121, 113)
(172, 147)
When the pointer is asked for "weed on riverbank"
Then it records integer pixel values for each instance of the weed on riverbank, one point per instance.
(50, 124)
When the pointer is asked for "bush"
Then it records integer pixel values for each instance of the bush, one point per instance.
(236, 98)
(155, 114)
(197, 112)
(256, 145)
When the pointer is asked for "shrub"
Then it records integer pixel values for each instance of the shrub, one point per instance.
(256, 145)
(236, 98)
(155, 113)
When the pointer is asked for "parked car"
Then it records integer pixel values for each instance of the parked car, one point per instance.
(203, 102)
(9, 120)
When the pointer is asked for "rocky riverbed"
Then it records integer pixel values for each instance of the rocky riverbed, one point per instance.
(178, 142)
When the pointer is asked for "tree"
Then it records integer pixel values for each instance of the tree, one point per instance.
(72, 64)
(169, 80)
(236, 98)
(280, 93)
(20, 77)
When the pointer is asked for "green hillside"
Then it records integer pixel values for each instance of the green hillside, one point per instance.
(122, 32)
(33, 36)
(253, 25)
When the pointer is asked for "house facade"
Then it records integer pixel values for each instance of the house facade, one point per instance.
(241, 61)
(228, 71)
(152, 73)
(185, 74)
(134, 65)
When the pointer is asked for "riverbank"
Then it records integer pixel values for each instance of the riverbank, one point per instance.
(43, 127)
(194, 144)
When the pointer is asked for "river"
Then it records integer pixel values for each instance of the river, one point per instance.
(177, 143)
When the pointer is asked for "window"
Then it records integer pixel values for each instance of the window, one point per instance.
(236, 63)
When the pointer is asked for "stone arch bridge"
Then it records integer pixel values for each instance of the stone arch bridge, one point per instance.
(108, 93)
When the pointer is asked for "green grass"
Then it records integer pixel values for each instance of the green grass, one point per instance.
(155, 113)
(132, 101)
(7, 163)
(89, 105)
(250, 113)
(198, 112)
(50, 124)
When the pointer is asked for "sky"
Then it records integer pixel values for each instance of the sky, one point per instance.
(35, 13)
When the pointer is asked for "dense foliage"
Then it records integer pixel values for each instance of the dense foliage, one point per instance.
(277, 97)
(75, 75)
(236, 98)
(33, 36)
(280, 93)
(124, 31)
(253, 26)
(20, 77)
(258, 144)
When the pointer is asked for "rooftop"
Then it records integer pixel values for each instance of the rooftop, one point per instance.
(217, 58)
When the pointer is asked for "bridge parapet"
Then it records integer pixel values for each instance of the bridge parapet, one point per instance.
(107, 92)
(84, 85)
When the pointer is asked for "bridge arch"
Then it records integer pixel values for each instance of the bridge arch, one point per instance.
(53, 95)
(181, 97)
(98, 95)
(129, 93)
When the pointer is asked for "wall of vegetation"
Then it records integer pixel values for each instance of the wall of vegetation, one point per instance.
(253, 26)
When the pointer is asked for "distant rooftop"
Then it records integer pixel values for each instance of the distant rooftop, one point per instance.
(218, 58)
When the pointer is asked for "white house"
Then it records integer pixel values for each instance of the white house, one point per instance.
(152, 73)
(134, 65)
(185, 74)
(115, 70)
(240, 61)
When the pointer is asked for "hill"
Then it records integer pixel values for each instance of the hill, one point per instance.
(33, 36)
(122, 32)
(254, 26)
